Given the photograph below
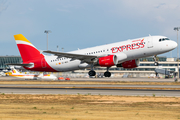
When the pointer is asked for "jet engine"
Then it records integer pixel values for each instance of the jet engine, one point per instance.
(129, 64)
(107, 61)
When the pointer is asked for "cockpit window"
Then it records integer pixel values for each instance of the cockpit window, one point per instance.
(162, 39)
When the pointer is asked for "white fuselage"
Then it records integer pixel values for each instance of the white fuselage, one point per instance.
(133, 49)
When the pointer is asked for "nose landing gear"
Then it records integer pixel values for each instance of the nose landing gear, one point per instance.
(156, 61)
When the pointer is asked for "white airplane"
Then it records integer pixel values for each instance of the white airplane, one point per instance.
(124, 54)
(17, 74)
(47, 76)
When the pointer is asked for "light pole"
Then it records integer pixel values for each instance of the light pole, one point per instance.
(47, 31)
(177, 29)
(57, 48)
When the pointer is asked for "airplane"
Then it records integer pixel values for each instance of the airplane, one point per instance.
(47, 76)
(124, 54)
(17, 74)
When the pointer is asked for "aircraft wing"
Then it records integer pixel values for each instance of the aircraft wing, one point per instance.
(72, 55)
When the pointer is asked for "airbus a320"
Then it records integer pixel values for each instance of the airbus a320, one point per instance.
(124, 54)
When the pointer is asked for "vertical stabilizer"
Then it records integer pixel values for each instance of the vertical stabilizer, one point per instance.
(14, 71)
(27, 50)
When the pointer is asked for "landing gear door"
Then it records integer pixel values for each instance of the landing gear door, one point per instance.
(150, 42)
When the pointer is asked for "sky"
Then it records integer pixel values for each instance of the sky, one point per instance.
(85, 23)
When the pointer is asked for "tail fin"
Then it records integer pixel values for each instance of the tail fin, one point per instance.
(14, 71)
(27, 50)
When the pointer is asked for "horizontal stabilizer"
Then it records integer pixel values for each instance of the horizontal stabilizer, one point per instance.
(18, 64)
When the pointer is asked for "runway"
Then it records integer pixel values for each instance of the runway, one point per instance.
(85, 86)
(100, 79)
(94, 88)
(91, 90)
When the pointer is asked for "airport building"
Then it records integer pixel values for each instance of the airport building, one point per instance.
(9, 59)
(145, 68)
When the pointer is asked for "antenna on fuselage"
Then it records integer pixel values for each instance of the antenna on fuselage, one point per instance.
(149, 35)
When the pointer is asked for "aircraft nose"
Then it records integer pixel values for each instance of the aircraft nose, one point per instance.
(174, 44)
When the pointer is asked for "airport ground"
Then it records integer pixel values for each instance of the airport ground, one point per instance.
(90, 99)
(88, 107)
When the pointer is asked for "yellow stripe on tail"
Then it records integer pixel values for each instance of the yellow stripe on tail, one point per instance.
(21, 37)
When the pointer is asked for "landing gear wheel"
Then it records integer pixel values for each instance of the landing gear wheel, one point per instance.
(107, 74)
(92, 73)
(156, 63)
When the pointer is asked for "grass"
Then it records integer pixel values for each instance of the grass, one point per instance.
(88, 107)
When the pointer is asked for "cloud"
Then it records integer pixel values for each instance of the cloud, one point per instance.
(159, 15)
(160, 19)
(159, 5)
(3, 5)
(30, 9)
(152, 9)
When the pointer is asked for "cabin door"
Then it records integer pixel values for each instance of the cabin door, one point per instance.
(150, 42)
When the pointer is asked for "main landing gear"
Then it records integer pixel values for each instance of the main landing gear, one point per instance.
(93, 73)
(107, 73)
(155, 59)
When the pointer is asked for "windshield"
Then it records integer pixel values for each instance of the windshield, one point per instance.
(162, 39)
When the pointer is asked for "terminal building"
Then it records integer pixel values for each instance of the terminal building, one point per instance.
(146, 66)
(9, 59)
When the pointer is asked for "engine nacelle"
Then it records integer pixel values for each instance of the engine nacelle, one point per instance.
(129, 64)
(108, 61)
